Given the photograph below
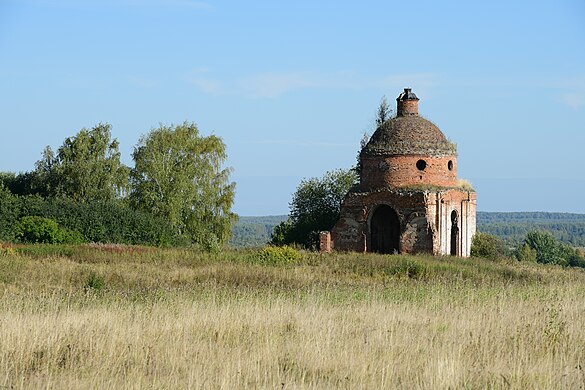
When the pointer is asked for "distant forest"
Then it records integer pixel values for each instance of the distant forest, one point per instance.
(511, 227)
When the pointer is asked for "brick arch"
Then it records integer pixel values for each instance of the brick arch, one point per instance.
(384, 229)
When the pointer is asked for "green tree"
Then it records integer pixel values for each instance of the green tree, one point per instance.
(383, 113)
(546, 246)
(525, 253)
(549, 250)
(488, 246)
(85, 168)
(35, 229)
(178, 175)
(315, 207)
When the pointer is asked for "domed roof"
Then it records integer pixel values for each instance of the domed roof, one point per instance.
(408, 135)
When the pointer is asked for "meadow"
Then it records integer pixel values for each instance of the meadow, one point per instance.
(121, 317)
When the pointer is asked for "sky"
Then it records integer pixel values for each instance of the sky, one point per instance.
(291, 87)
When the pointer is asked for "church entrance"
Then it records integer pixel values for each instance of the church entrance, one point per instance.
(384, 230)
(454, 234)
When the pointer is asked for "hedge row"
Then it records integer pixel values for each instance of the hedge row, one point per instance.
(106, 222)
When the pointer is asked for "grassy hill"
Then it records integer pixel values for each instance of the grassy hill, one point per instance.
(512, 227)
(120, 317)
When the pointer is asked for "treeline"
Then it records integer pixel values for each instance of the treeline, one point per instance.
(176, 194)
(99, 221)
(512, 227)
(252, 232)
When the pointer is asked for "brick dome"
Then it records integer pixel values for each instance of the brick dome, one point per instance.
(409, 135)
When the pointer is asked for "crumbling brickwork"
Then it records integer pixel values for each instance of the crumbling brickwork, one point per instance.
(408, 200)
(405, 171)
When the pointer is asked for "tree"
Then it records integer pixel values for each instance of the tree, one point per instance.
(85, 168)
(315, 207)
(549, 250)
(384, 112)
(488, 246)
(178, 175)
(546, 247)
(525, 253)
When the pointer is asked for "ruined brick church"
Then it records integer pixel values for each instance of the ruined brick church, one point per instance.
(409, 199)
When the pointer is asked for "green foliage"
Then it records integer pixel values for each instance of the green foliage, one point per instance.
(35, 229)
(525, 253)
(94, 282)
(513, 227)
(254, 232)
(26, 183)
(9, 213)
(6, 250)
(315, 207)
(546, 247)
(178, 176)
(550, 251)
(276, 255)
(383, 113)
(488, 246)
(108, 222)
(283, 233)
(85, 168)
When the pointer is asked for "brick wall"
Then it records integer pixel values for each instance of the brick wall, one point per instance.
(402, 171)
(424, 218)
(407, 107)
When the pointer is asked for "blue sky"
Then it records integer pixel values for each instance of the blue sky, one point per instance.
(292, 86)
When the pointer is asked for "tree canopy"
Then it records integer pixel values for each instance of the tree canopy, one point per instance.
(314, 207)
(178, 175)
(85, 168)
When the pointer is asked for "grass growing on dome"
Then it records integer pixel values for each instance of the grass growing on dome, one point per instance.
(465, 185)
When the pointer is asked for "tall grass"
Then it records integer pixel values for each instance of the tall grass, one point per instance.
(183, 319)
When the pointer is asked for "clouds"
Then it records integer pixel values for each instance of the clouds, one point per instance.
(274, 84)
(191, 4)
(574, 100)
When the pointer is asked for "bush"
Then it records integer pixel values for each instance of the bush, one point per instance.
(94, 282)
(6, 250)
(488, 246)
(550, 251)
(546, 247)
(105, 221)
(38, 230)
(525, 253)
(276, 255)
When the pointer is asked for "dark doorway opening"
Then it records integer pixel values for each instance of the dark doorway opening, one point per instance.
(454, 233)
(385, 230)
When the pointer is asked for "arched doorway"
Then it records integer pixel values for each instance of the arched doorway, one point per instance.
(454, 233)
(384, 230)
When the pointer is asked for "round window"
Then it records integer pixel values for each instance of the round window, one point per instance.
(421, 165)
(450, 165)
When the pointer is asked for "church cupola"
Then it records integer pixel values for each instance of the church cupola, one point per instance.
(407, 103)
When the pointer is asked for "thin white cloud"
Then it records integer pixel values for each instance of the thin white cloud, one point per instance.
(193, 4)
(273, 84)
(574, 100)
(304, 143)
(200, 78)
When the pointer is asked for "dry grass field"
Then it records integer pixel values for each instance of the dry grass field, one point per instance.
(84, 317)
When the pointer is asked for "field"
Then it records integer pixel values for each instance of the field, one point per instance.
(87, 317)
